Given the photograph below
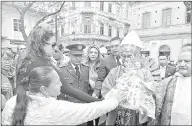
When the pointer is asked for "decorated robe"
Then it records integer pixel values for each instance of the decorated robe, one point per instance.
(125, 116)
(173, 102)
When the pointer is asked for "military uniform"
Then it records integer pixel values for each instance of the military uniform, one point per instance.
(69, 73)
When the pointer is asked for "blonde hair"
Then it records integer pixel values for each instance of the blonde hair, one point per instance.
(98, 60)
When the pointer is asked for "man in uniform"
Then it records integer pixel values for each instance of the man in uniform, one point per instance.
(74, 72)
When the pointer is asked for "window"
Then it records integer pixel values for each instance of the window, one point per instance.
(17, 24)
(101, 28)
(73, 5)
(146, 20)
(188, 15)
(118, 11)
(87, 28)
(87, 4)
(166, 17)
(62, 30)
(126, 14)
(110, 31)
(101, 6)
(117, 32)
(126, 29)
(110, 7)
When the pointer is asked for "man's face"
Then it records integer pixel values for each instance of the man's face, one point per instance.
(21, 50)
(163, 61)
(76, 59)
(184, 64)
(114, 46)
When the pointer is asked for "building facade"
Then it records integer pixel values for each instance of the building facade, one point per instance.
(92, 22)
(11, 25)
(163, 26)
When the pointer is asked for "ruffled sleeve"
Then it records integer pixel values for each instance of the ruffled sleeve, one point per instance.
(68, 113)
(8, 111)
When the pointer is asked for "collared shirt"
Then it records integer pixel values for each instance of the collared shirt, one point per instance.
(74, 67)
(116, 59)
(162, 71)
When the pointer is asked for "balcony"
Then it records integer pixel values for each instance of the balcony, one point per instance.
(166, 31)
(84, 37)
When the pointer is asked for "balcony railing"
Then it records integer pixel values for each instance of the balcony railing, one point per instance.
(172, 29)
(82, 36)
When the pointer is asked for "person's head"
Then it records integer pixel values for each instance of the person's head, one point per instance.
(41, 80)
(129, 51)
(40, 42)
(184, 61)
(7, 58)
(20, 49)
(93, 53)
(114, 44)
(76, 53)
(163, 60)
(58, 51)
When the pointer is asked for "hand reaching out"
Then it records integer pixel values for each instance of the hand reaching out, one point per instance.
(117, 94)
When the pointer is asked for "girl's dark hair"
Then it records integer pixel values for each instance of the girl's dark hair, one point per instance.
(39, 76)
(37, 40)
(98, 60)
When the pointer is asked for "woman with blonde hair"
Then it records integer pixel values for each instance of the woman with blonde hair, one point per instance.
(93, 61)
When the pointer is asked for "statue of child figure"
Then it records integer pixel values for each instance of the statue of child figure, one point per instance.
(140, 87)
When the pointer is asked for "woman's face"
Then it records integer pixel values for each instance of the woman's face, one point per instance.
(93, 54)
(48, 47)
(57, 53)
(184, 64)
(54, 88)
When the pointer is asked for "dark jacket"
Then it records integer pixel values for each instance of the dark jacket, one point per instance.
(69, 75)
(107, 64)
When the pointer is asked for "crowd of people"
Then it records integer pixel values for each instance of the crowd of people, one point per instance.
(43, 85)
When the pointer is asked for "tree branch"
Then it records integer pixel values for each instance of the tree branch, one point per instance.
(28, 6)
(42, 19)
(16, 7)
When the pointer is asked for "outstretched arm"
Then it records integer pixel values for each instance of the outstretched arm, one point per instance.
(69, 113)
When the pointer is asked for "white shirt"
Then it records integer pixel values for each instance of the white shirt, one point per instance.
(162, 71)
(75, 66)
(49, 111)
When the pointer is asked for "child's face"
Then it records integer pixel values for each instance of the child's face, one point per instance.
(138, 65)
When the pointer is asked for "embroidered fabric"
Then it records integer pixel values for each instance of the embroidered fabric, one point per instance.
(140, 86)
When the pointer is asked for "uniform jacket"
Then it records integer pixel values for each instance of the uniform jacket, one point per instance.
(69, 75)
(106, 65)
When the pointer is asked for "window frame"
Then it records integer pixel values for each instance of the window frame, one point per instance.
(16, 25)
(73, 5)
(101, 5)
(188, 12)
(165, 17)
(110, 7)
(87, 28)
(143, 21)
(118, 32)
(87, 4)
(110, 29)
(101, 29)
